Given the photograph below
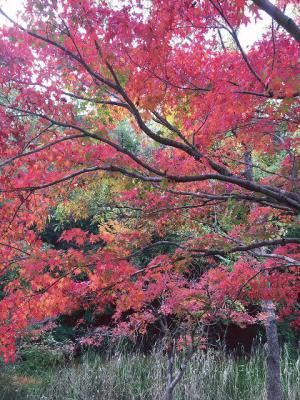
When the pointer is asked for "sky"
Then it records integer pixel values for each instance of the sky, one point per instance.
(247, 35)
(11, 6)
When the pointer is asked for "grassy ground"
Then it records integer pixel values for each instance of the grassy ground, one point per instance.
(209, 376)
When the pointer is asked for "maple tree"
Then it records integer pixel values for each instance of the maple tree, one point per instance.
(210, 166)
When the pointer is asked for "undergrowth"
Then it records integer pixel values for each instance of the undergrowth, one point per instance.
(209, 376)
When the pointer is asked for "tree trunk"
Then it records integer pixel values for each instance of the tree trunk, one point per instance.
(273, 382)
(169, 393)
(170, 371)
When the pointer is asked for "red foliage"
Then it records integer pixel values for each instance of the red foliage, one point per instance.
(217, 162)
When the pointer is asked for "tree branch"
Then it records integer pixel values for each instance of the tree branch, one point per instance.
(255, 245)
(283, 20)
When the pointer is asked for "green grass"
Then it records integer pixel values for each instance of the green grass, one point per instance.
(209, 376)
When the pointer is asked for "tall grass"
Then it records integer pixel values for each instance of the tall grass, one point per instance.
(209, 376)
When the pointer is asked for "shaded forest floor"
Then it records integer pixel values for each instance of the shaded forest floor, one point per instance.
(43, 375)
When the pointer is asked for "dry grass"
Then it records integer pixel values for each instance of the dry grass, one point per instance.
(137, 377)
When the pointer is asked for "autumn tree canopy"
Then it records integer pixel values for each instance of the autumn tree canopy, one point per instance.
(195, 136)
